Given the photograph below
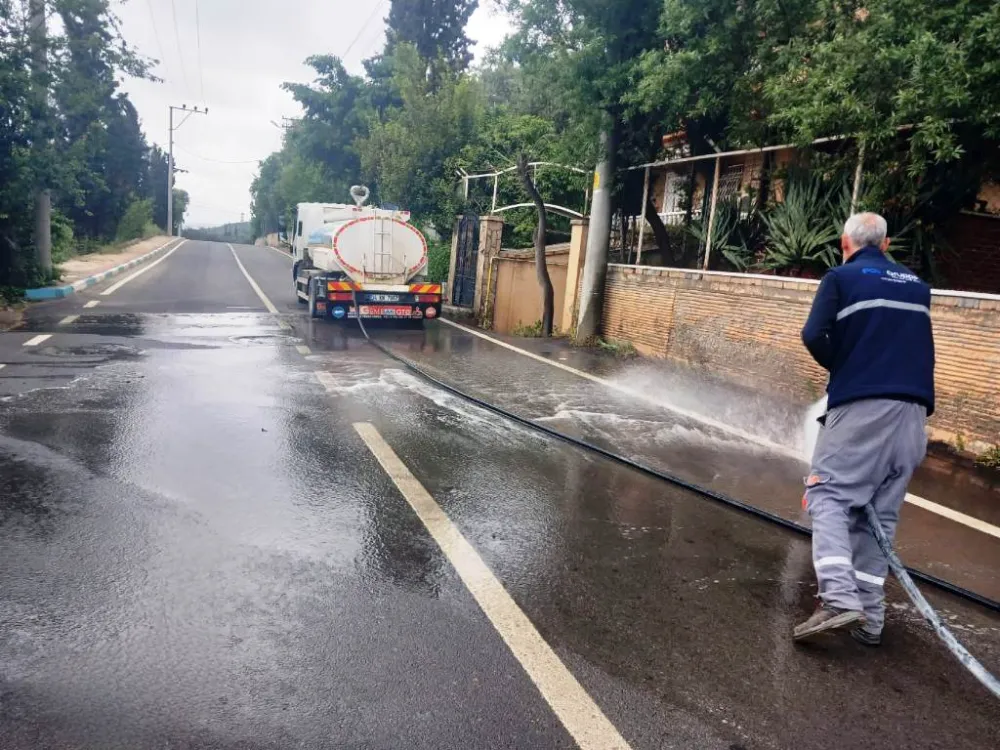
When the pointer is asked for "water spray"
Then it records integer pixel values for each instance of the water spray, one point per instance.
(895, 564)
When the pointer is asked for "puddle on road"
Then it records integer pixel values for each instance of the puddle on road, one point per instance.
(105, 352)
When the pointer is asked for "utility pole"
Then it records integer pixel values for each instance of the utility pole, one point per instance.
(170, 159)
(40, 67)
(595, 269)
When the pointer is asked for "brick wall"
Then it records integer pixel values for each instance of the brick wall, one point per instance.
(747, 327)
(973, 261)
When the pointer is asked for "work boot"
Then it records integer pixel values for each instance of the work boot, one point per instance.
(827, 618)
(865, 637)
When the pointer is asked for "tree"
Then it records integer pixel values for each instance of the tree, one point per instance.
(81, 139)
(915, 83)
(267, 210)
(99, 141)
(407, 155)
(154, 185)
(181, 200)
(541, 267)
(436, 29)
(17, 169)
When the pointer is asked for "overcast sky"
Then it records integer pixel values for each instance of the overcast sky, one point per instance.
(248, 49)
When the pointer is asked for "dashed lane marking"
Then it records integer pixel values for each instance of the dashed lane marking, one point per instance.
(577, 711)
(115, 287)
(305, 351)
(92, 303)
(253, 284)
(928, 505)
(69, 319)
(35, 341)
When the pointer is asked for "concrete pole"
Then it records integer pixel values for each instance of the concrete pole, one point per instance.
(43, 198)
(170, 158)
(858, 170)
(711, 211)
(574, 269)
(170, 175)
(595, 269)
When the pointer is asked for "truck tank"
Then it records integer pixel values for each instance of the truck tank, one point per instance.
(368, 244)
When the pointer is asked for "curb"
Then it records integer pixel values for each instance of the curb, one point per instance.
(58, 292)
(459, 313)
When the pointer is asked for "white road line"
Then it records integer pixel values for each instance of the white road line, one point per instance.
(283, 254)
(920, 502)
(577, 711)
(92, 303)
(2, 365)
(253, 284)
(284, 325)
(37, 339)
(305, 351)
(115, 287)
(69, 319)
(953, 515)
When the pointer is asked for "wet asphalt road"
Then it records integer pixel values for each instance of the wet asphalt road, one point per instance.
(198, 551)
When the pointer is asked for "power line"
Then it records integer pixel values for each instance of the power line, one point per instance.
(180, 55)
(362, 30)
(201, 70)
(156, 33)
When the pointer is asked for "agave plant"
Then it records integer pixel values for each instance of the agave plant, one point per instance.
(802, 230)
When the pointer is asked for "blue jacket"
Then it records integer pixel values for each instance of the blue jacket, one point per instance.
(870, 326)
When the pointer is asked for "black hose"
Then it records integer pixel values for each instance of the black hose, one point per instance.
(656, 473)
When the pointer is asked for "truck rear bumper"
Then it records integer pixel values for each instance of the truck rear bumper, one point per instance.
(347, 311)
(414, 302)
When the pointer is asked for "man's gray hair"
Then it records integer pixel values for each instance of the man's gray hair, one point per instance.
(866, 229)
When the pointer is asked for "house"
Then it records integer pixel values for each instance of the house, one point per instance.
(683, 188)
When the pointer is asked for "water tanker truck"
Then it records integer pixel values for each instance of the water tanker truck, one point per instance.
(353, 260)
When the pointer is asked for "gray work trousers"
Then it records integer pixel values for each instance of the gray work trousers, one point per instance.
(866, 453)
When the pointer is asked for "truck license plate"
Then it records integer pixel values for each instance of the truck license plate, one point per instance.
(384, 297)
(384, 311)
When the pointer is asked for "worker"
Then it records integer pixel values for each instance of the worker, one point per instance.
(870, 326)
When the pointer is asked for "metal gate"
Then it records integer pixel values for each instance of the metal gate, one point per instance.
(464, 293)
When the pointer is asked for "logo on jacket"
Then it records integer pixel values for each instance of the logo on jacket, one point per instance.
(902, 278)
(872, 271)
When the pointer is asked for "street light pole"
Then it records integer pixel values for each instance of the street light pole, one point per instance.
(170, 158)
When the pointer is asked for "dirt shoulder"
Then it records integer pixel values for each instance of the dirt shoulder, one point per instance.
(83, 266)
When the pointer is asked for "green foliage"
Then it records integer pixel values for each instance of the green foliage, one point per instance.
(438, 261)
(435, 29)
(619, 348)
(802, 230)
(405, 156)
(62, 237)
(991, 458)
(915, 83)
(529, 330)
(138, 216)
(737, 234)
(70, 130)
